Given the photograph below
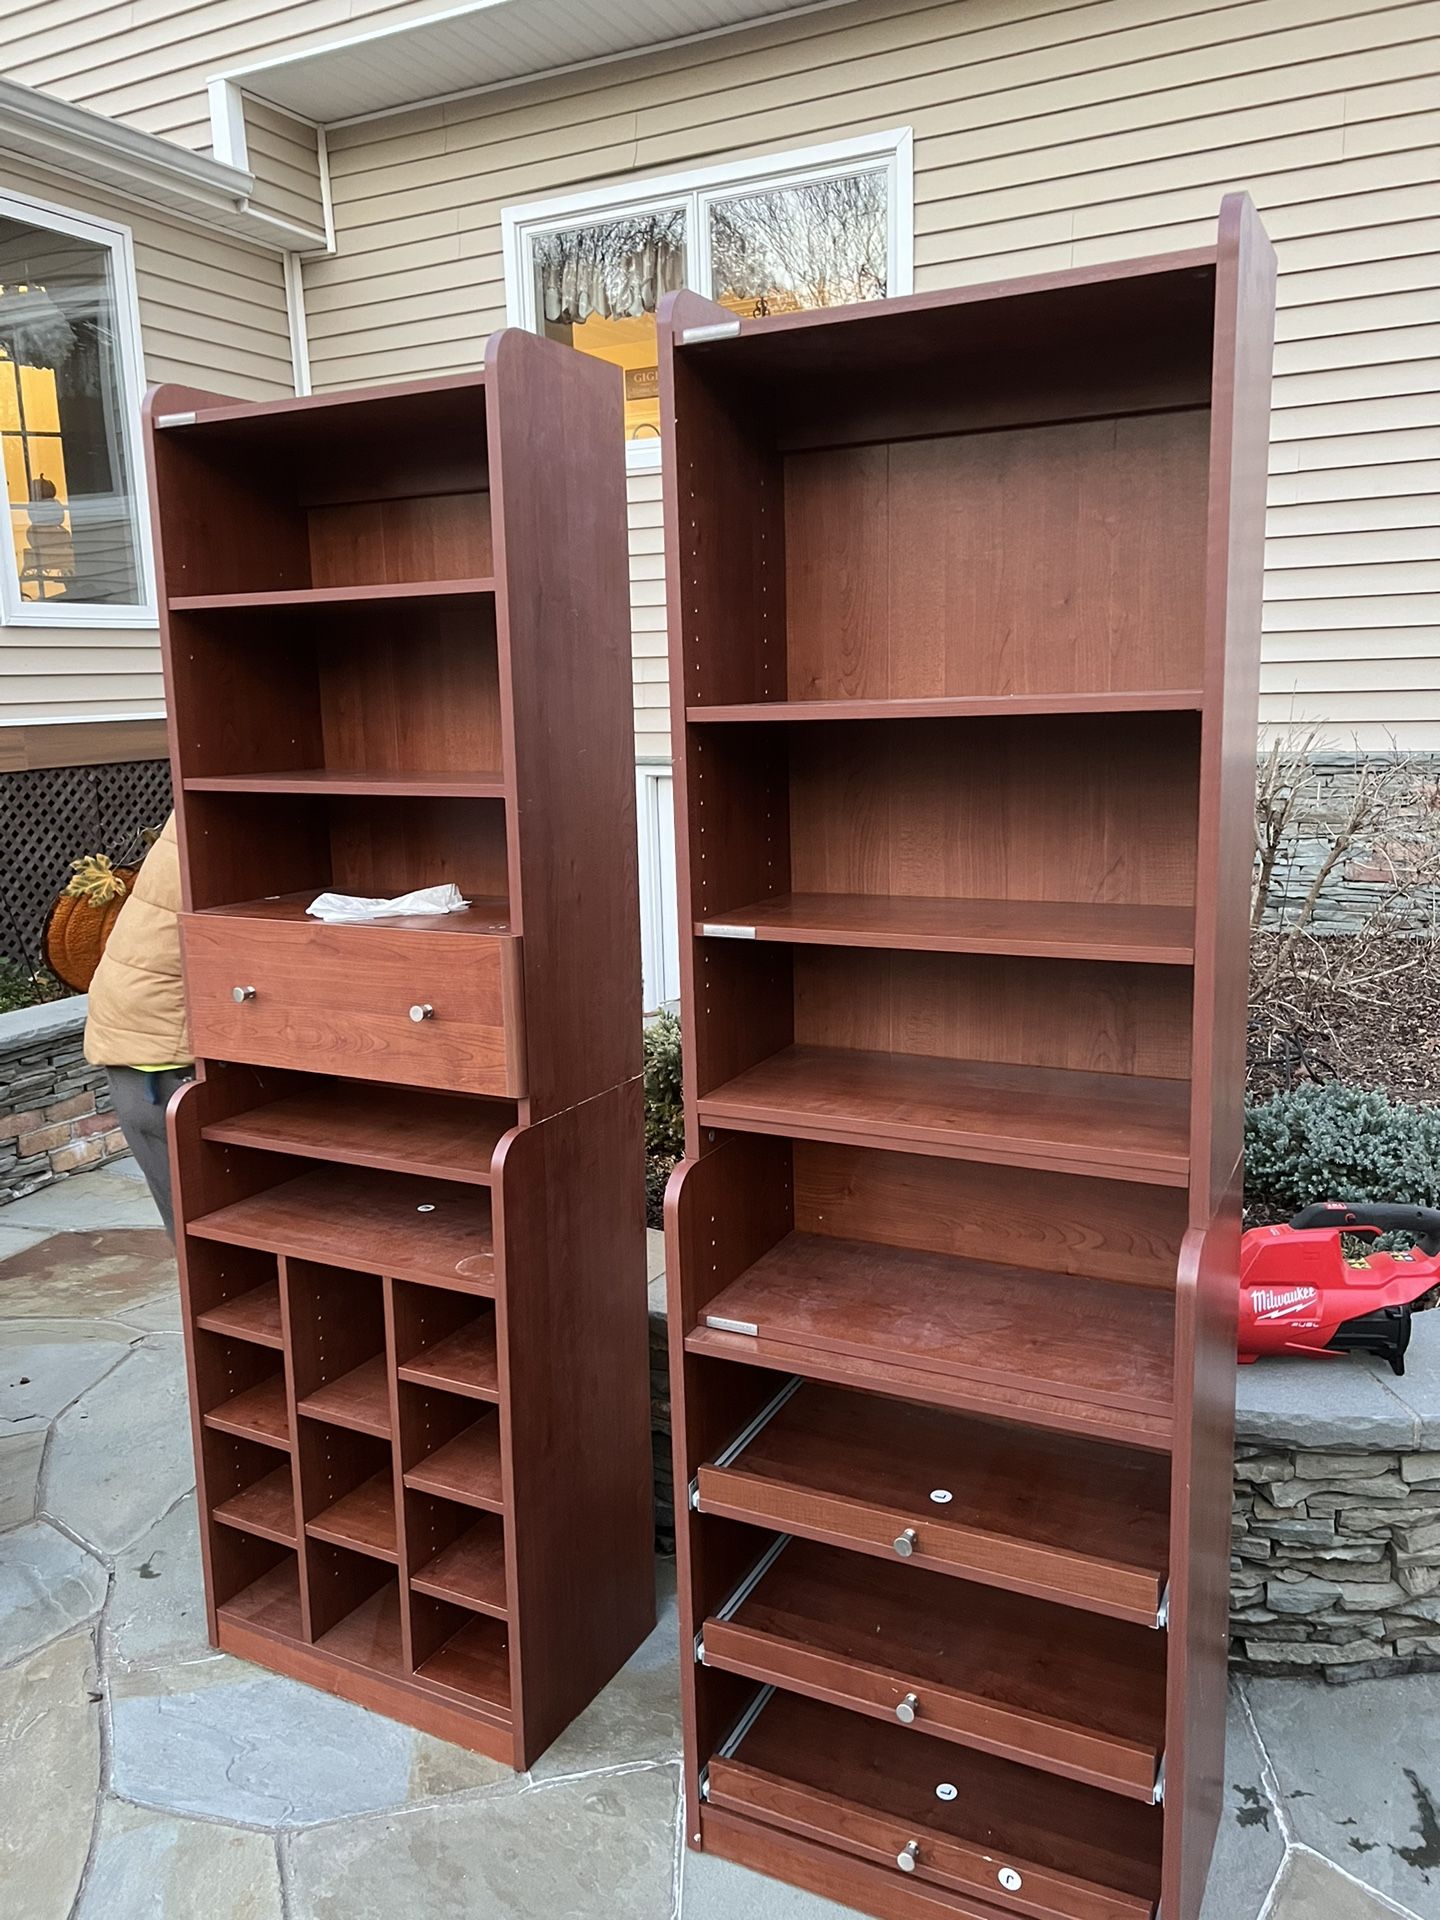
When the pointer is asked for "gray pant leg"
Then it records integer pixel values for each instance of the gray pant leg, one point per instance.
(140, 1103)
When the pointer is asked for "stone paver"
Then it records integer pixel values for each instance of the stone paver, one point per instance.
(87, 1276)
(156, 1613)
(638, 1714)
(1276, 1401)
(121, 1458)
(1313, 1890)
(1250, 1845)
(151, 1866)
(48, 1585)
(17, 1239)
(233, 1742)
(594, 1849)
(20, 1457)
(1359, 1774)
(110, 1197)
(49, 1778)
(40, 1378)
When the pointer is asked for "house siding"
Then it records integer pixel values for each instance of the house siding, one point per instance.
(284, 156)
(212, 314)
(1045, 137)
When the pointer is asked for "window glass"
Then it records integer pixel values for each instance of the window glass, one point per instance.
(818, 243)
(597, 288)
(68, 480)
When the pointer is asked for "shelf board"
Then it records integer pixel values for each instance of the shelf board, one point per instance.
(351, 1217)
(487, 916)
(270, 1604)
(1109, 1124)
(387, 592)
(253, 1316)
(359, 1399)
(1055, 929)
(341, 781)
(963, 1333)
(466, 1469)
(997, 706)
(445, 1136)
(474, 1663)
(1074, 1520)
(470, 1572)
(463, 1362)
(266, 1508)
(363, 1520)
(1070, 1693)
(259, 1413)
(369, 1636)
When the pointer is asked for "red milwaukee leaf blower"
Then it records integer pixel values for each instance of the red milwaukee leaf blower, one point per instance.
(1299, 1293)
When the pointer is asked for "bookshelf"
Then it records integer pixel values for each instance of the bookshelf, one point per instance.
(409, 1171)
(964, 601)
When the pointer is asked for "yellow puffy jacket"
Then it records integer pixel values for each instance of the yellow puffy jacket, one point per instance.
(137, 998)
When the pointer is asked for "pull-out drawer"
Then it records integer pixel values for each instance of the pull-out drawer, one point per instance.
(1027, 1843)
(1078, 1521)
(1074, 1693)
(425, 1008)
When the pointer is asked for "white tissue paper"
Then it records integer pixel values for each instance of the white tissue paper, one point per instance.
(351, 906)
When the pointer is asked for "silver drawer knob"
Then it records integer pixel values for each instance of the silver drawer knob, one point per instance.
(417, 1014)
(908, 1857)
(241, 994)
(908, 1708)
(904, 1543)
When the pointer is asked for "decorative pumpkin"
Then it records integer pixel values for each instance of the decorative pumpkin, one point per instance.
(83, 917)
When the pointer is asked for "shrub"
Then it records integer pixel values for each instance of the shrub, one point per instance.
(19, 987)
(664, 1110)
(1338, 1142)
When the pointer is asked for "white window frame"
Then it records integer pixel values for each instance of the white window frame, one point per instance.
(696, 190)
(130, 373)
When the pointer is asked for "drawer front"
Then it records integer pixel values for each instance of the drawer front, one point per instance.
(990, 1727)
(1023, 1566)
(336, 999)
(940, 1859)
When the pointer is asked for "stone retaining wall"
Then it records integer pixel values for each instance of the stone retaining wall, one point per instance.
(1366, 878)
(55, 1116)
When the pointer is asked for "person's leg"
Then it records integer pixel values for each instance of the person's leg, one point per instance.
(140, 1102)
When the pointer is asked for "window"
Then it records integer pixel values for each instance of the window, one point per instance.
(69, 413)
(822, 228)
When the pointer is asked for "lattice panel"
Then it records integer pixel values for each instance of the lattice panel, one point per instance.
(49, 817)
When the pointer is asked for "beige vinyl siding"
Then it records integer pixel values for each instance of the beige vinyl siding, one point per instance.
(1045, 136)
(147, 62)
(285, 159)
(650, 662)
(212, 314)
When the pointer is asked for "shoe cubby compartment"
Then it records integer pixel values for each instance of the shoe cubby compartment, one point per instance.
(252, 1485)
(450, 1447)
(462, 1653)
(237, 1293)
(456, 1554)
(256, 1585)
(355, 1608)
(446, 1341)
(338, 1353)
(947, 1817)
(240, 1387)
(347, 1489)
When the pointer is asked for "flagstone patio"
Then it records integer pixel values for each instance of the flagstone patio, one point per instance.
(143, 1776)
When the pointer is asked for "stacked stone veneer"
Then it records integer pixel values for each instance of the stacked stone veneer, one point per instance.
(55, 1116)
(1336, 1565)
(1399, 850)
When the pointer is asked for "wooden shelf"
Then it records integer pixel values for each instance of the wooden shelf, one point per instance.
(958, 707)
(267, 1508)
(463, 1362)
(387, 593)
(359, 1399)
(439, 1135)
(1086, 1356)
(342, 781)
(1102, 1123)
(253, 1316)
(363, 1520)
(488, 915)
(1059, 929)
(1080, 1522)
(1080, 1696)
(370, 1637)
(470, 1572)
(466, 1468)
(474, 1662)
(259, 1413)
(269, 1605)
(869, 1791)
(346, 1217)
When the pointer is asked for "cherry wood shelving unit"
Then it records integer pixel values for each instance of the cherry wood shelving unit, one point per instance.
(409, 1171)
(964, 619)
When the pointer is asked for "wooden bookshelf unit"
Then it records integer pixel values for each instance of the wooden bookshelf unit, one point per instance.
(964, 600)
(409, 1173)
